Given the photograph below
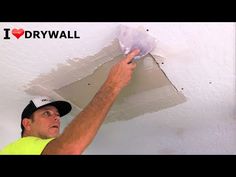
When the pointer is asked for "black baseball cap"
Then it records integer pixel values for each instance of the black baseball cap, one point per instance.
(63, 107)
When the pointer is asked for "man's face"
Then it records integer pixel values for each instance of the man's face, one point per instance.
(46, 122)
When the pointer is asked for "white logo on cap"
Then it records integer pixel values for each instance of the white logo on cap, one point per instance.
(41, 100)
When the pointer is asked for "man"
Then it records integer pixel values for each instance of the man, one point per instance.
(41, 118)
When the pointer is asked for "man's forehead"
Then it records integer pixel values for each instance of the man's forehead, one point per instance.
(49, 108)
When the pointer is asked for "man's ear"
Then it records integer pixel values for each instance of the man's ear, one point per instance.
(26, 123)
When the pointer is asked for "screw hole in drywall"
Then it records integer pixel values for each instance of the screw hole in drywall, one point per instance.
(162, 62)
(182, 88)
(89, 84)
(210, 82)
(147, 29)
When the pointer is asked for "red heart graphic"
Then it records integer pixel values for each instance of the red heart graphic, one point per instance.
(17, 32)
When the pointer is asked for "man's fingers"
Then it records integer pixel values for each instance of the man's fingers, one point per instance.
(133, 65)
(131, 55)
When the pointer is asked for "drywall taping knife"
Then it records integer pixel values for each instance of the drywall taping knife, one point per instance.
(162, 70)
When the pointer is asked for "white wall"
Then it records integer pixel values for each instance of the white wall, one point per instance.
(200, 58)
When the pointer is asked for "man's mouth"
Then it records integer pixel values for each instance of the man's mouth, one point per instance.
(55, 126)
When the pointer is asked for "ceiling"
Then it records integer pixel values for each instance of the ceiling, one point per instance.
(198, 58)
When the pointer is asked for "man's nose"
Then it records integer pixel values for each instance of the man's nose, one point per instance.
(56, 117)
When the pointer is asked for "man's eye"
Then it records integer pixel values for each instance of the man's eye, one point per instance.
(47, 113)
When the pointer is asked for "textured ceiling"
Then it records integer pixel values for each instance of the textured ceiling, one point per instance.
(199, 58)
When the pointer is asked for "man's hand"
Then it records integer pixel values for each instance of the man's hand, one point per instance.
(120, 74)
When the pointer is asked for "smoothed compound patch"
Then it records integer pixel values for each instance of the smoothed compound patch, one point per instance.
(78, 81)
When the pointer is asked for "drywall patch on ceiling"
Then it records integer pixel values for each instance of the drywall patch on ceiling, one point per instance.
(149, 90)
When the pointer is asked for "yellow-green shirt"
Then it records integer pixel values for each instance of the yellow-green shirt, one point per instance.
(26, 146)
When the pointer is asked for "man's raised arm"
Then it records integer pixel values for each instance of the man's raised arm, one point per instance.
(83, 128)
